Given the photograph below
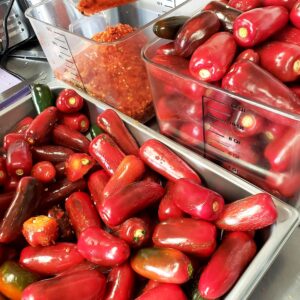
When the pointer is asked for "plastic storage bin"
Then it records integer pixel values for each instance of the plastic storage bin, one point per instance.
(112, 72)
(217, 124)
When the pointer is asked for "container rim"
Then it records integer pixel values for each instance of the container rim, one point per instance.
(28, 14)
(147, 60)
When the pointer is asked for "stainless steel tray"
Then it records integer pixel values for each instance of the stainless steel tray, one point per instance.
(230, 186)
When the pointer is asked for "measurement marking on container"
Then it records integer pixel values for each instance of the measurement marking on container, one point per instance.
(64, 48)
(66, 54)
(58, 33)
(216, 133)
(218, 142)
(168, 6)
(217, 119)
(57, 39)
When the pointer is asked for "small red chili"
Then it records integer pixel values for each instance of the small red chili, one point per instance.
(44, 171)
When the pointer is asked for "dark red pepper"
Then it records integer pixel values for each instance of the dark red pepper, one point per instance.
(295, 89)
(166, 49)
(52, 153)
(249, 80)
(11, 183)
(96, 183)
(161, 159)
(19, 159)
(22, 126)
(10, 138)
(76, 121)
(106, 152)
(120, 283)
(111, 123)
(25, 202)
(44, 171)
(289, 34)
(196, 31)
(128, 201)
(69, 101)
(286, 3)
(82, 212)
(5, 201)
(249, 54)
(163, 291)
(251, 28)
(244, 5)
(295, 15)
(3, 171)
(60, 169)
(226, 265)
(64, 136)
(282, 60)
(41, 126)
(210, 64)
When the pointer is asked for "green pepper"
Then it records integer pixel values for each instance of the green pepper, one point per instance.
(42, 97)
(95, 130)
(14, 279)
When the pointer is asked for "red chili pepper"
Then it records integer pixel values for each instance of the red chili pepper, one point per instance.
(40, 231)
(129, 170)
(120, 283)
(295, 89)
(60, 257)
(82, 212)
(250, 213)
(76, 121)
(19, 159)
(10, 138)
(162, 264)
(273, 131)
(197, 201)
(295, 15)
(87, 285)
(219, 109)
(249, 54)
(244, 5)
(210, 64)
(24, 203)
(134, 231)
(128, 201)
(106, 152)
(286, 3)
(3, 172)
(226, 265)
(152, 284)
(251, 28)
(69, 101)
(282, 60)
(190, 236)
(12, 183)
(249, 80)
(52, 153)
(22, 126)
(111, 123)
(163, 291)
(102, 248)
(5, 201)
(289, 34)
(161, 159)
(41, 126)
(167, 208)
(166, 49)
(191, 133)
(77, 165)
(64, 136)
(282, 153)
(44, 171)
(60, 190)
(196, 31)
(96, 183)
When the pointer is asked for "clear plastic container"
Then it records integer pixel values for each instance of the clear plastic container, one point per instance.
(112, 72)
(253, 140)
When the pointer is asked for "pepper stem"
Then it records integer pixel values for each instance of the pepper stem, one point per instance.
(190, 270)
(85, 161)
(243, 32)
(138, 234)
(72, 101)
(247, 121)
(296, 66)
(20, 172)
(204, 74)
(83, 124)
(215, 206)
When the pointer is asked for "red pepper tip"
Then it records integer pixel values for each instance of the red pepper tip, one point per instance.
(20, 172)
(30, 140)
(85, 161)
(138, 234)
(243, 32)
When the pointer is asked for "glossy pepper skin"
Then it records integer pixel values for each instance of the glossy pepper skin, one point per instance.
(106, 152)
(165, 162)
(130, 169)
(225, 14)
(196, 200)
(190, 236)
(295, 89)
(163, 291)
(76, 121)
(295, 15)
(69, 101)
(96, 183)
(41, 126)
(210, 64)
(42, 97)
(82, 212)
(168, 28)
(282, 152)
(64, 136)
(112, 124)
(52, 153)
(19, 159)
(166, 49)
(273, 131)
(244, 5)
(226, 265)
(86, 284)
(95, 130)
(44, 171)
(25, 202)
(289, 34)
(10, 138)
(249, 80)
(282, 60)
(22, 126)
(250, 213)
(251, 28)
(5, 200)
(196, 31)
(249, 54)
(60, 257)
(128, 201)
(102, 248)
(162, 264)
(40, 231)
(120, 283)
(288, 4)
(14, 279)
